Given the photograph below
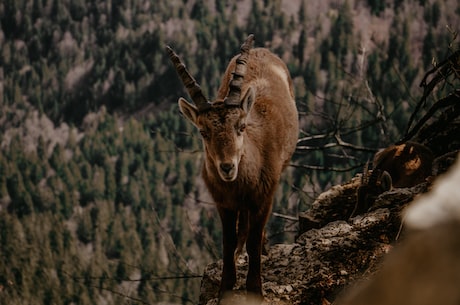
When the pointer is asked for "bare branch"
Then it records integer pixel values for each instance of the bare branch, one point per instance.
(313, 137)
(448, 101)
(288, 217)
(327, 168)
(339, 143)
(441, 72)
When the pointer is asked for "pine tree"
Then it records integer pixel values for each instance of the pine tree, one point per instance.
(377, 6)
(342, 34)
(302, 44)
(429, 46)
(21, 201)
(303, 13)
(110, 179)
(3, 178)
(85, 230)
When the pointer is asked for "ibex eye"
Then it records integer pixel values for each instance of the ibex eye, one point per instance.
(242, 128)
(204, 134)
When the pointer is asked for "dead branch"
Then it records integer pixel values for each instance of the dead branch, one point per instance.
(450, 101)
(441, 72)
(328, 168)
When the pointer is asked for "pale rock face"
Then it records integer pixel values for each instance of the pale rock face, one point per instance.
(440, 205)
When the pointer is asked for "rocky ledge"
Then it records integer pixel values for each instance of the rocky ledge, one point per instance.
(332, 252)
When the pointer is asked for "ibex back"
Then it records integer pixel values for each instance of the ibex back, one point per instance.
(249, 135)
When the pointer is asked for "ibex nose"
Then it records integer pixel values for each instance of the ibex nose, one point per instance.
(226, 167)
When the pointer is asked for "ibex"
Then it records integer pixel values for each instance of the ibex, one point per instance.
(408, 163)
(402, 165)
(249, 134)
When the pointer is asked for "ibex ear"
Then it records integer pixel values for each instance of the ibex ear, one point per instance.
(386, 182)
(248, 100)
(188, 110)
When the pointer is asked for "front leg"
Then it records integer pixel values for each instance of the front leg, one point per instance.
(257, 221)
(228, 218)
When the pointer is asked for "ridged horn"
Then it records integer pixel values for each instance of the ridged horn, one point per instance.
(193, 88)
(234, 94)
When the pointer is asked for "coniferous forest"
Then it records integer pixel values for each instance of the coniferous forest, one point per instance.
(100, 196)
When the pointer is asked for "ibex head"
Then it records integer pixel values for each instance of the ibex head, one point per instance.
(222, 124)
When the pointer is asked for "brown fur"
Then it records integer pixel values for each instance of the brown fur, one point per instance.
(403, 165)
(408, 164)
(258, 138)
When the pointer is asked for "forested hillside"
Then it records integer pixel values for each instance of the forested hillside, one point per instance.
(100, 196)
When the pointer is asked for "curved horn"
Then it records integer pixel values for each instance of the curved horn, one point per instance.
(234, 94)
(194, 90)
